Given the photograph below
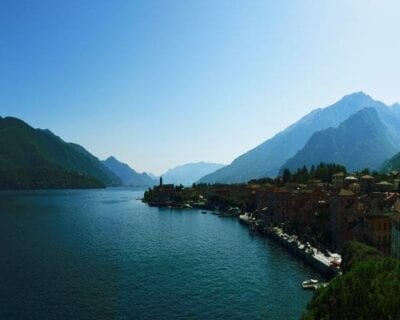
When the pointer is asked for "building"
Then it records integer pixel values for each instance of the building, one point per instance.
(396, 183)
(384, 186)
(379, 228)
(367, 183)
(338, 180)
(164, 194)
(379, 210)
(343, 217)
(355, 187)
(349, 180)
(395, 243)
(278, 203)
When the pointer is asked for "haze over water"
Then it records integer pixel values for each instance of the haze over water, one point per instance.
(102, 254)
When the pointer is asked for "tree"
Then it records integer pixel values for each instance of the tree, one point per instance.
(365, 171)
(287, 175)
(368, 289)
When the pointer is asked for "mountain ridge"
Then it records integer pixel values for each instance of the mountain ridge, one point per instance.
(361, 141)
(189, 173)
(37, 158)
(267, 158)
(128, 176)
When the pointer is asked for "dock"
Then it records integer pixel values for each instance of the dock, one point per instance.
(328, 264)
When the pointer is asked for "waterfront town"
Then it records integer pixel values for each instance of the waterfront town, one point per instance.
(321, 209)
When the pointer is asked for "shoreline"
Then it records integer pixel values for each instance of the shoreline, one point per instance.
(310, 255)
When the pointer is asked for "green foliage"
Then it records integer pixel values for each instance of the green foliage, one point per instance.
(46, 177)
(287, 175)
(365, 171)
(323, 172)
(368, 289)
(37, 159)
(226, 201)
(357, 252)
(262, 181)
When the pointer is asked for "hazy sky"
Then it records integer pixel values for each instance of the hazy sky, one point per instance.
(162, 83)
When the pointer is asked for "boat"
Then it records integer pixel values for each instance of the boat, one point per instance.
(244, 218)
(336, 260)
(310, 284)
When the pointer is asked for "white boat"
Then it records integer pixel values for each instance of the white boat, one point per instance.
(244, 218)
(309, 284)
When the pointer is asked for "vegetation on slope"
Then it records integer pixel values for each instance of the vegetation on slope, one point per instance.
(37, 159)
(368, 289)
(391, 164)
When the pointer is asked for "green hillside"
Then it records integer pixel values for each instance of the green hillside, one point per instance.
(368, 289)
(36, 159)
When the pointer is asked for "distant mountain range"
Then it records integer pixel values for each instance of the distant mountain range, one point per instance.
(189, 173)
(361, 141)
(37, 159)
(357, 131)
(300, 144)
(153, 176)
(129, 176)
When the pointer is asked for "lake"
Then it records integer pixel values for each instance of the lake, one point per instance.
(103, 254)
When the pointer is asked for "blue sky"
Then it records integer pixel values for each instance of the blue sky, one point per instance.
(162, 83)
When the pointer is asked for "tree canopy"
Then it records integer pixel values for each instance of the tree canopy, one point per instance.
(368, 289)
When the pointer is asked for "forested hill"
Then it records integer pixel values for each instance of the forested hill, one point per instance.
(37, 159)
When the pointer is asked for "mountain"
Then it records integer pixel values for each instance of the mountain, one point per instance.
(36, 159)
(153, 176)
(128, 176)
(189, 173)
(267, 158)
(362, 141)
(391, 164)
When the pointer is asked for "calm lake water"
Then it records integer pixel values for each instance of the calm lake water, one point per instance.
(102, 254)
